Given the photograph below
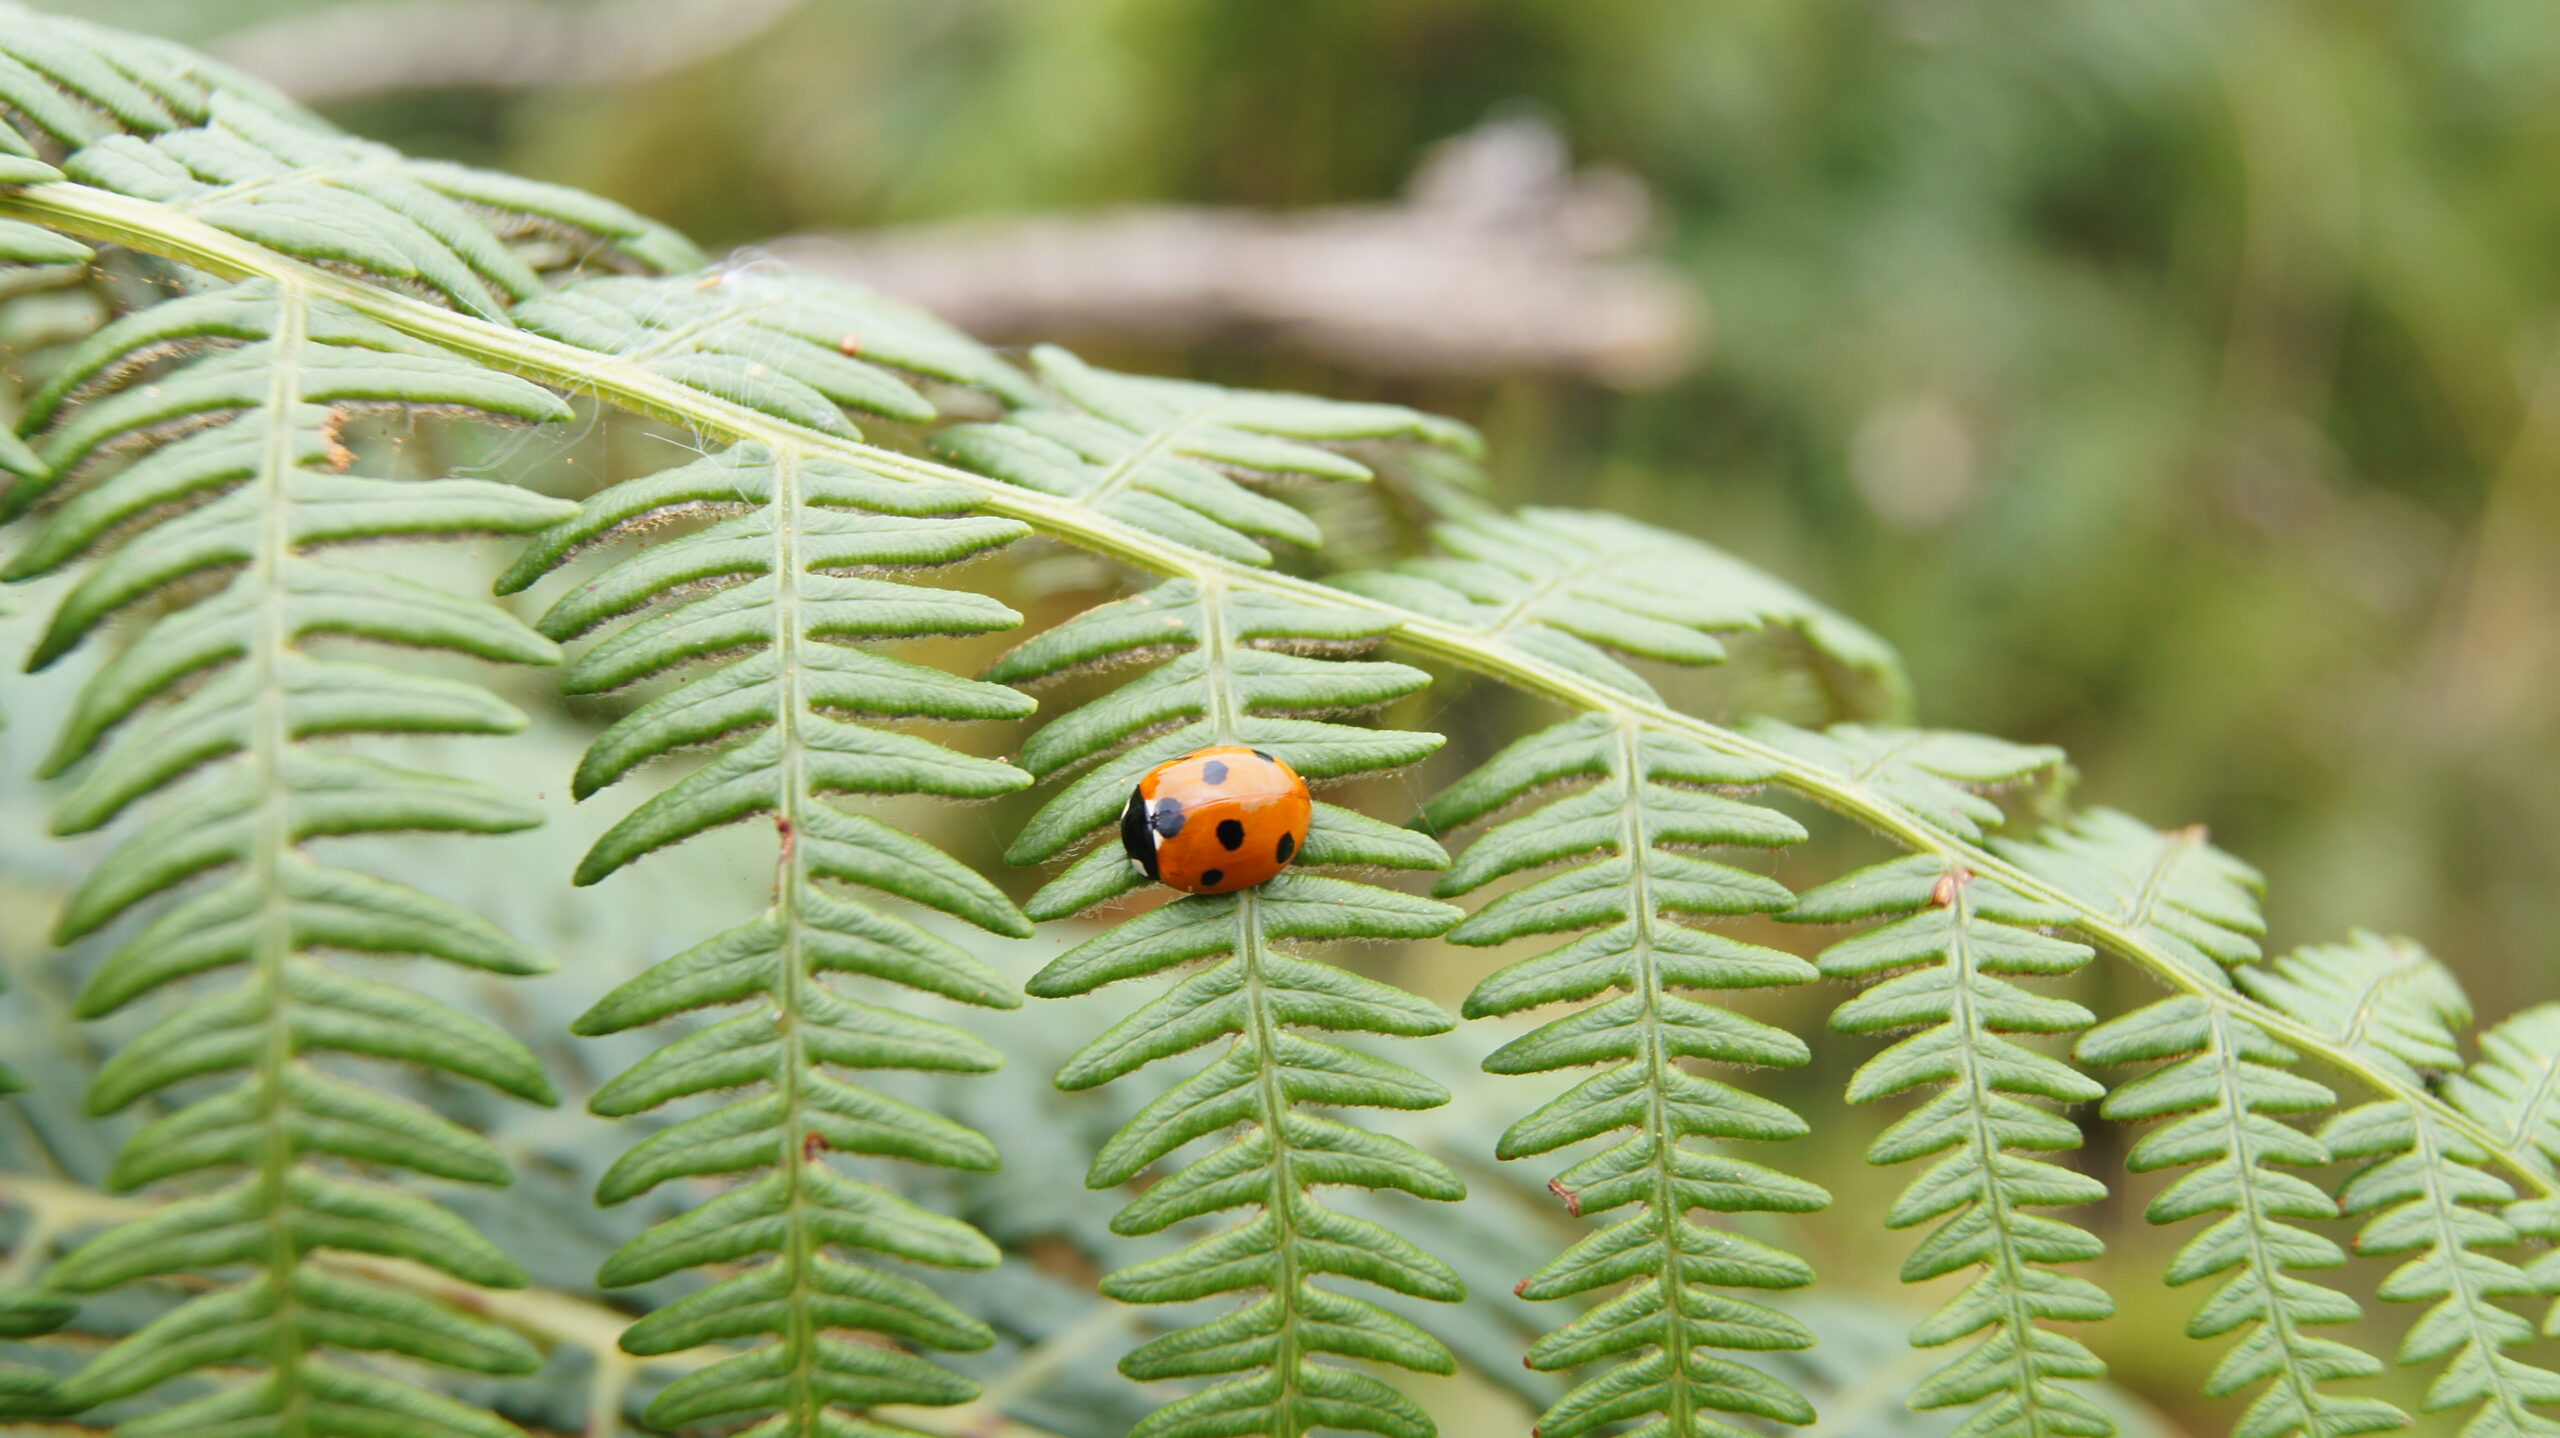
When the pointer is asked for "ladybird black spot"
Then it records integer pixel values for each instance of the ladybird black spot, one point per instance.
(1135, 837)
(1231, 834)
(1214, 772)
(1258, 754)
(1168, 820)
(1288, 846)
(1213, 878)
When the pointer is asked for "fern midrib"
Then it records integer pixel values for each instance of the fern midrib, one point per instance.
(1995, 1195)
(2269, 1271)
(2410, 964)
(2535, 1099)
(2468, 1299)
(158, 229)
(1123, 469)
(792, 997)
(1667, 1209)
(1527, 604)
(270, 735)
(669, 341)
(1263, 1033)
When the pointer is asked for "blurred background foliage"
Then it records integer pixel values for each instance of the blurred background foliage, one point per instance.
(2177, 382)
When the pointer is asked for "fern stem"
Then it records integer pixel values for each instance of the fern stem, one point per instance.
(2467, 1301)
(1263, 1034)
(157, 229)
(271, 736)
(2030, 1383)
(792, 1001)
(1668, 1211)
(2267, 1269)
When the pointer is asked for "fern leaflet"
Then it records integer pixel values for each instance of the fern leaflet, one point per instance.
(241, 476)
(801, 350)
(1950, 956)
(1644, 808)
(1157, 454)
(65, 83)
(2227, 1090)
(2423, 1190)
(2514, 1092)
(1240, 664)
(2184, 898)
(1572, 586)
(774, 595)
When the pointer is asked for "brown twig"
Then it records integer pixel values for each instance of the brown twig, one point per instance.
(1498, 258)
(384, 46)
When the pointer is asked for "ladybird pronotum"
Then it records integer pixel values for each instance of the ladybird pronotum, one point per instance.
(1216, 820)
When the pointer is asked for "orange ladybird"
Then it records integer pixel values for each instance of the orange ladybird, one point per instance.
(1217, 820)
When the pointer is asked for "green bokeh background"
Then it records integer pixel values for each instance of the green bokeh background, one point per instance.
(2174, 381)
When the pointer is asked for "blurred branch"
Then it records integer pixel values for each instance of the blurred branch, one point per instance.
(380, 46)
(1498, 257)
(551, 1318)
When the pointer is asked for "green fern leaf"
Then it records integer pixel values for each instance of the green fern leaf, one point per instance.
(1644, 809)
(1239, 666)
(157, 121)
(1946, 963)
(316, 196)
(763, 608)
(65, 83)
(2513, 1091)
(2228, 1090)
(1157, 454)
(239, 478)
(2424, 1190)
(1576, 588)
(27, 1391)
(1949, 778)
(800, 350)
(2182, 896)
(2515, 1087)
(23, 244)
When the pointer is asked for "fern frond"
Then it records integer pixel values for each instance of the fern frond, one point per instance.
(1241, 667)
(2164, 902)
(1946, 962)
(2228, 1091)
(2424, 1190)
(1157, 454)
(1644, 810)
(761, 612)
(1577, 587)
(238, 478)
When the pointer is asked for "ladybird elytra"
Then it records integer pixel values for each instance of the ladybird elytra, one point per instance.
(1216, 820)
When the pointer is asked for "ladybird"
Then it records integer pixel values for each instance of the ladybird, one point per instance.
(1216, 820)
